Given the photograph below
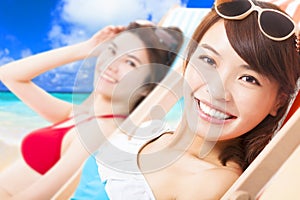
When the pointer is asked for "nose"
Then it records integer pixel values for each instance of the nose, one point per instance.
(218, 87)
(113, 66)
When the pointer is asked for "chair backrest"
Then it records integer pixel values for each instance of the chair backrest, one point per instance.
(167, 94)
(268, 162)
(295, 105)
(285, 183)
(187, 20)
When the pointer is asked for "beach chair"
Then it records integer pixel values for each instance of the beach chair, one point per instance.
(285, 183)
(187, 19)
(253, 182)
(165, 95)
(280, 158)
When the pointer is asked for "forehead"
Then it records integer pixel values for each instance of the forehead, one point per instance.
(129, 44)
(216, 38)
(127, 41)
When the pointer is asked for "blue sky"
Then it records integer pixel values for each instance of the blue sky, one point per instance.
(31, 26)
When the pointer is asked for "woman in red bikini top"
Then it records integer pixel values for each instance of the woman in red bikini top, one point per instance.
(124, 75)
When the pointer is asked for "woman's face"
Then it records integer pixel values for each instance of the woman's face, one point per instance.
(121, 68)
(224, 97)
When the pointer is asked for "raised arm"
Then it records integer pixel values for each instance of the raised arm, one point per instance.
(18, 75)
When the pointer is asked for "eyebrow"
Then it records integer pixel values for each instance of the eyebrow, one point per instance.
(206, 46)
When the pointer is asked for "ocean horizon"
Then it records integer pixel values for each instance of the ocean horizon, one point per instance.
(17, 119)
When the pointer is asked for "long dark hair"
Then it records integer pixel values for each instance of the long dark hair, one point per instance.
(162, 46)
(276, 60)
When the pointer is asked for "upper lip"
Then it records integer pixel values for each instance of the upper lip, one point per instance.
(107, 74)
(218, 108)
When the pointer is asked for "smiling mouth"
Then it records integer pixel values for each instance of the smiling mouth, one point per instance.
(213, 113)
(108, 78)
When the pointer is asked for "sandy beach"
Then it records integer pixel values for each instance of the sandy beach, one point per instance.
(13, 127)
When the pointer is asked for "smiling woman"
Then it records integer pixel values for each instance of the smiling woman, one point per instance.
(234, 99)
(49, 151)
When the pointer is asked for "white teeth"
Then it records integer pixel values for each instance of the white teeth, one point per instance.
(212, 112)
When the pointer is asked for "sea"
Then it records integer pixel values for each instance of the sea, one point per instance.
(17, 120)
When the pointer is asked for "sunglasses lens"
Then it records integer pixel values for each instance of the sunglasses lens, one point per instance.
(275, 24)
(231, 8)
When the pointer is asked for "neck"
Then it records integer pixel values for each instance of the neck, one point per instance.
(101, 105)
(195, 145)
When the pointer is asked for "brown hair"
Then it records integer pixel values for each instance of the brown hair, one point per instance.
(277, 60)
(162, 46)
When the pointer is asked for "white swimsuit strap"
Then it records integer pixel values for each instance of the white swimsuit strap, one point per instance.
(117, 161)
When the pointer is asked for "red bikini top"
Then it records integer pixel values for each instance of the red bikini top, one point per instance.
(41, 148)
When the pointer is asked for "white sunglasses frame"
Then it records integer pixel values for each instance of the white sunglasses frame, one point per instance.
(259, 11)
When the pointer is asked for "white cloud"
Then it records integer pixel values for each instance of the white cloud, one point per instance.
(59, 38)
(26, 53)
(78, 19)
(4, 56)
(94, 13)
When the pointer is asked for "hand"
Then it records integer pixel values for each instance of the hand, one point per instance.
(105, 34)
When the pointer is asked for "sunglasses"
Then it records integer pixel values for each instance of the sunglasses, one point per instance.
(274, 24)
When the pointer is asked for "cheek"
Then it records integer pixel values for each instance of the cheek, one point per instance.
(254, 107)
(127, 73)
(192, 79)
(130, 81)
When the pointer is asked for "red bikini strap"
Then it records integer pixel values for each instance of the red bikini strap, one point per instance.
(112, 116)
(107, 116)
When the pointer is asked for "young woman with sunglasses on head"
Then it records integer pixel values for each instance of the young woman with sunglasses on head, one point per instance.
(240, 75)
(54, 153)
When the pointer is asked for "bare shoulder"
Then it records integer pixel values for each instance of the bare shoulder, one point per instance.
(208, 184)
(159, 143)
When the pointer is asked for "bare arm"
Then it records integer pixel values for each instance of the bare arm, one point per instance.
(18, 75)
(81, 145)
(48, 184)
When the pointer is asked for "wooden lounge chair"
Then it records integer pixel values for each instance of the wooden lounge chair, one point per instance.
(186, 19)
(283, 150)
(254, 180)
(257, 175)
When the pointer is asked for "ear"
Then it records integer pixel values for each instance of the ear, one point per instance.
(279, 102)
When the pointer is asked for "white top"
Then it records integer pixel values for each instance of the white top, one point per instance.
(118, 166)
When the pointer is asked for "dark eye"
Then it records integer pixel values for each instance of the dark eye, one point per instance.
(131, 63)
(111, 50)
(208, 60)
(250, 79)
